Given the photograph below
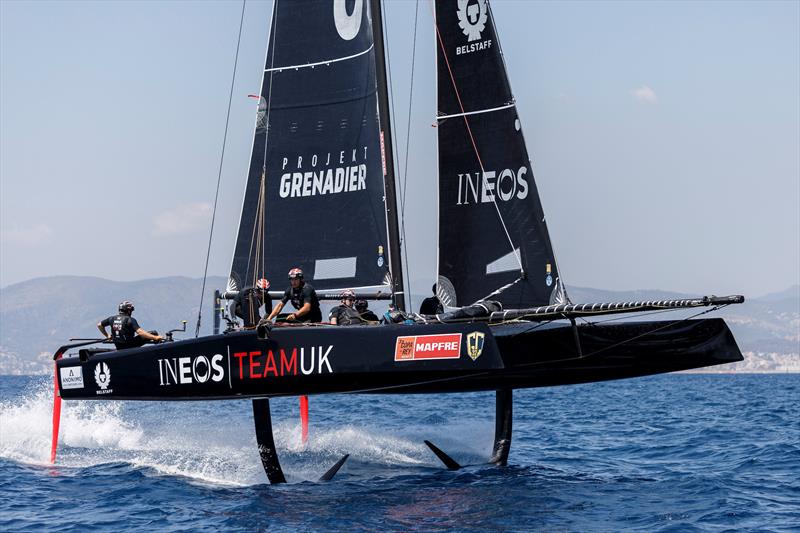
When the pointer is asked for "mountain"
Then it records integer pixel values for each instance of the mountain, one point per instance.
(39, 315)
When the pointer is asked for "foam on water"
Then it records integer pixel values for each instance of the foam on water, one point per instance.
(194, 440)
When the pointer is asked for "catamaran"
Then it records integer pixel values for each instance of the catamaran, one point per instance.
(322, 146)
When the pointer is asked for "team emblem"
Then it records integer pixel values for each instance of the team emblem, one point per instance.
(102, 375)
(472, 17)
(475, 344)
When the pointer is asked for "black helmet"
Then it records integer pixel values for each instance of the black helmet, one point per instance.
(296, 273)
(361, 305)
(126, 307)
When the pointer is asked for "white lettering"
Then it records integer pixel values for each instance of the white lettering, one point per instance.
(184, 365)
(487, 187)
(217, 368)
(303, 359)
(324, 359)
(507, 173)
(201, 378)
(523, 184)
(284, 189)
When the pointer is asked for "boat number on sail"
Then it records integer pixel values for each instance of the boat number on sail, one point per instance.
(445, 346)
(314, 176)
(72, 377)
(188, 370)
(264, 364)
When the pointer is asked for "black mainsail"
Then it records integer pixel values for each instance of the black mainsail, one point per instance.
(315, 194)
(492, 232)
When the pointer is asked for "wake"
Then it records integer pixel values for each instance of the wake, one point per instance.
(214, 442)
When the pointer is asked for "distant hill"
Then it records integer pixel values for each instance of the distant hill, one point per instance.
(37, 316)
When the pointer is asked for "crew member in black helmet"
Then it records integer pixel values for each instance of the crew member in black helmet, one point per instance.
(303, 297)
(362, 306)
(125, 330)
(345, 314)
(248, 302)
(431, 305)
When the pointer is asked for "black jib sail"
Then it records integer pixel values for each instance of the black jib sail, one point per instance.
(492, 232)
(314, 196)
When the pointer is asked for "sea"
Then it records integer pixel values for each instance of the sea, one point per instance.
(680, 452)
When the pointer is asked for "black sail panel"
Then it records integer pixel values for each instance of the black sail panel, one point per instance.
(492, 232)
(320, 206)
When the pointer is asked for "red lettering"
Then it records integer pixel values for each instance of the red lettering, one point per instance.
(270, 365)
(240, 356)
(254, 366)
(289, 365)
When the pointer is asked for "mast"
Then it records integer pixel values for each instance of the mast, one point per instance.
(393, 228)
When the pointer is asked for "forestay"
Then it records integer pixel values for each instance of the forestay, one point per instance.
(314, 195)
(492, 232)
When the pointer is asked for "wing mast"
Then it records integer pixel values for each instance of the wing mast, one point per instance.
(387, 153)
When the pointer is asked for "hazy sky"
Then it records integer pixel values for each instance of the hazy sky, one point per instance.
(664, 136)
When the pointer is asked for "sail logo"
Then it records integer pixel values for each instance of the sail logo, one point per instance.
(102, 376)
(491, 186)
(472, 17)
(259, 364)
(188, 370)
(444, 346)
(475, 342)
(305, 180)
(347, 26)
(72, 377)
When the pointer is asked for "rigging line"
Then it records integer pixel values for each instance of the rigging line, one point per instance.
(501, 289)
(408, 142)
(260, 234)
(387, 55)
(219, 174)
(639, 315)
(408, 123)
(472, 140)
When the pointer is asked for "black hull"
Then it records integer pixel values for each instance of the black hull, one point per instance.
(396, 359)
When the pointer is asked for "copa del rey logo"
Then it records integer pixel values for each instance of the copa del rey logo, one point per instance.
(472, 18)
(444, 346)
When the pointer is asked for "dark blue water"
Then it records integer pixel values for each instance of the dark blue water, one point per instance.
(667, 453)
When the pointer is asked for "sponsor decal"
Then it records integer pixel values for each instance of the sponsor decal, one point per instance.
(189, 370)
(72, 377)
(475, 344)
(491, 186)
(443, 346)
(102, 376)
(380, 256)
(331, 173)
(549, 277)
(259, 364)
(472, 18)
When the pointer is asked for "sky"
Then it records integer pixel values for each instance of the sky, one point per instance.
(664, 137)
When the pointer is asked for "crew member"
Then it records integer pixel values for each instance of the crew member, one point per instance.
(303, 297)
(431, 305)
(362, 307)
(125, 330)
(345, 314)
(248, 301)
